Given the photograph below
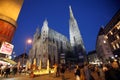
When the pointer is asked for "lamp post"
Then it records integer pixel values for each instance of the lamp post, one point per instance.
(14, 55)
(28, 41)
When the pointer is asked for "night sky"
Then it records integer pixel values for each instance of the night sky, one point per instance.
(90, 16)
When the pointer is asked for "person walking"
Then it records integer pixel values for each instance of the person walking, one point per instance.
(86, 71)
(58, 71)
(82, 74)
(14, 70)
(7, 72)
(94, 74)
(62, 72)
(113, 73)
(77, 73)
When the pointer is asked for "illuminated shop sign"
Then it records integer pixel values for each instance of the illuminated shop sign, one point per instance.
(6, 48)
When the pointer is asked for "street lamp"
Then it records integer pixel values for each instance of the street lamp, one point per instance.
(13, 55)
(28, 41)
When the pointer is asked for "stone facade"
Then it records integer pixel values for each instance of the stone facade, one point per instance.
(48, 44)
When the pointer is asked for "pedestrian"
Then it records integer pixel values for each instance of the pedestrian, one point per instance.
(82, 74)
(113, 73)
(86, 71)
(55, 69)
(14, 70)
(58, 71)
(77, 73)
(62, 72)
(94, 74)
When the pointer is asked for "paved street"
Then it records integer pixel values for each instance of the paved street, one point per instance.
(68, 76)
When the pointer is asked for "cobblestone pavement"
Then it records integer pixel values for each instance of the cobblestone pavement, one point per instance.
(68, 76)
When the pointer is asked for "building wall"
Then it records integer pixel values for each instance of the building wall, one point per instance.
(48, 44)
(112, 33)
(8, 18)
(114, 36)
(6, 31)
(11, 8)
(103, 48)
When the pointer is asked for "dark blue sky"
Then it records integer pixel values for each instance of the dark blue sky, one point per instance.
(90, 16)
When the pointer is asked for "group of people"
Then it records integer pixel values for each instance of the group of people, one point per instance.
(6, 70)
(60, 70)
(94, 72)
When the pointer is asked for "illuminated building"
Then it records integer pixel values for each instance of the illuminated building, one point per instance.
(93, 58)
(112, 33)
(108, 43)
(103, 49)
(76, 39)
(49, 44)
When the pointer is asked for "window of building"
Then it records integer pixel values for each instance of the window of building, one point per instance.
(117, 36)
(117, 45)
(111, 32)
(114, 30)
(106, 37)
(104, 41)
(113, 46)
(118, 27)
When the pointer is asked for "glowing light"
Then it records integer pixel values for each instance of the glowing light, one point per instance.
(111, 33)
(104, 41)
(43, 71)
(29, 41)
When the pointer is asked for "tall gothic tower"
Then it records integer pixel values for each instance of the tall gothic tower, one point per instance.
(76, 39)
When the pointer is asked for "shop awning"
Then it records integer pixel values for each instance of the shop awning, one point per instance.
(8, 60)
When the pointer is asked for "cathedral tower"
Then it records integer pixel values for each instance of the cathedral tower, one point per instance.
(76, 38)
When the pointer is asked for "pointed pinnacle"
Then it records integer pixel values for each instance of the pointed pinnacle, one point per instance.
(71, 13)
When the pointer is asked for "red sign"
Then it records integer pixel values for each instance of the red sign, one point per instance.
(6, 48)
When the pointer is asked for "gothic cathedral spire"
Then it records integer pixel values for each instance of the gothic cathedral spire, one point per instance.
(76, 38)
(71, 13)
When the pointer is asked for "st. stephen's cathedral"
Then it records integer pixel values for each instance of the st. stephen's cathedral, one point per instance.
(51, 45)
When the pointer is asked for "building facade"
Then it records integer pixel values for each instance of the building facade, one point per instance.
(49, 44)
(93, 58)
(103, 49)
(108, 43)
(112, 33)
(9, 12)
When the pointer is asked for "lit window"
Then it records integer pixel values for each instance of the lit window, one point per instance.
(106, 37)
(117, 36)
(104, 41)
(111, 33)
(114, 47)
(117, 45)
(118, 27)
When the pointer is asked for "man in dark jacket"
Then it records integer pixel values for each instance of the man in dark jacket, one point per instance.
(113, 73)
